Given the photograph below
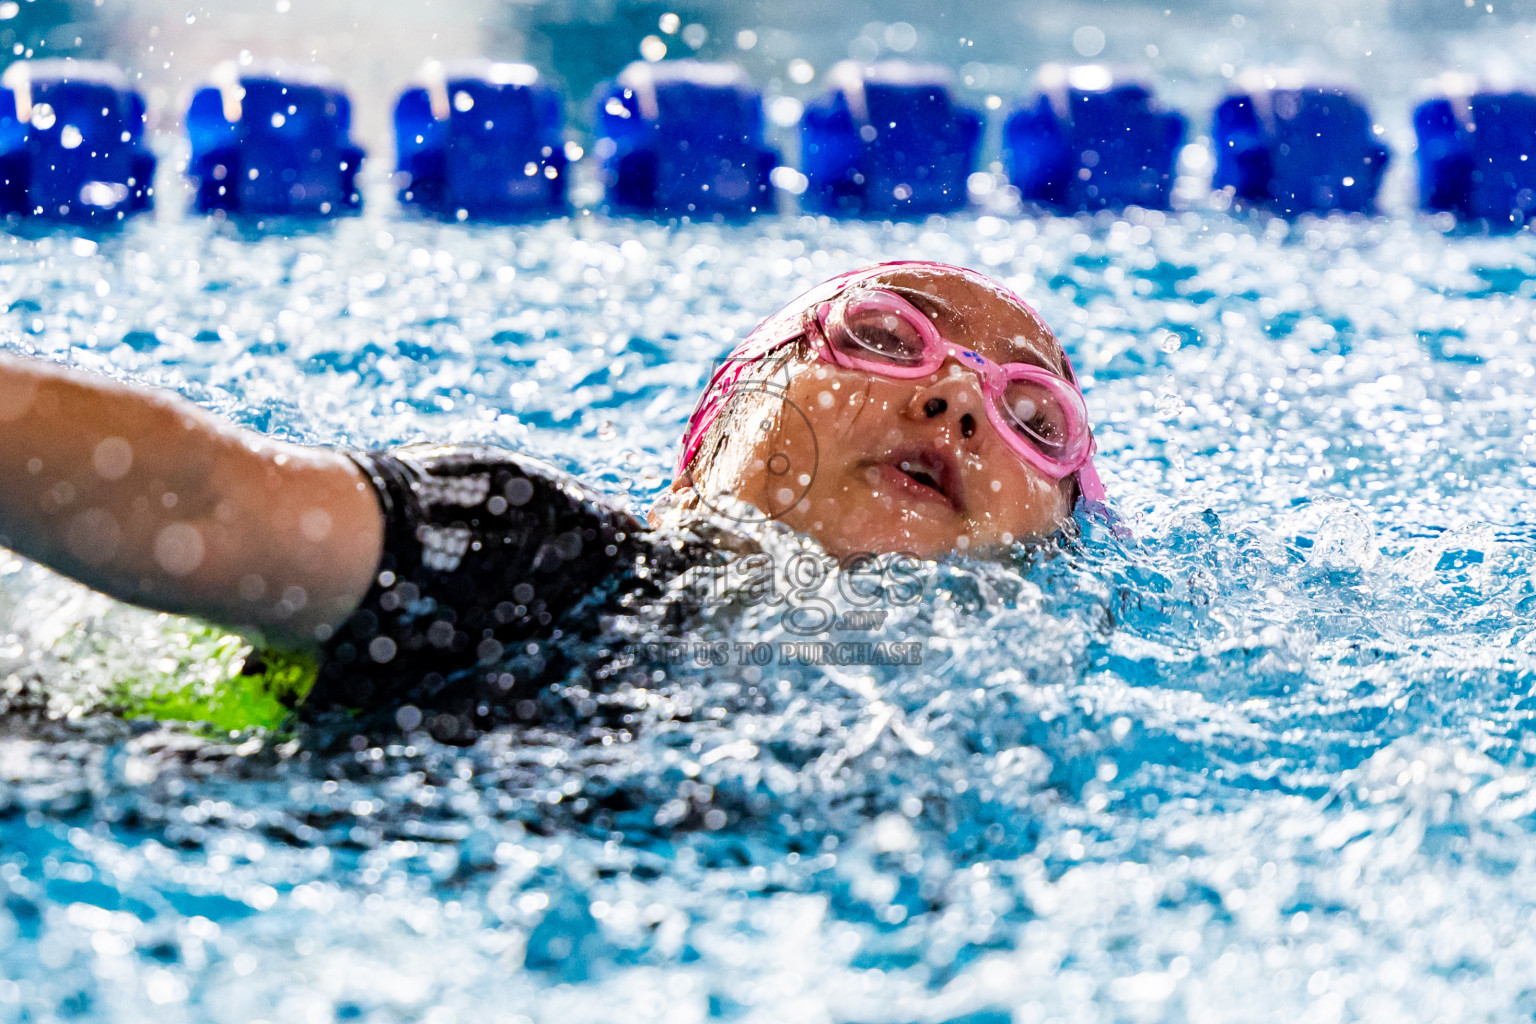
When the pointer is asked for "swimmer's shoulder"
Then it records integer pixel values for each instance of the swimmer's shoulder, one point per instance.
(487, 552)
(470, 476)
(489, 486)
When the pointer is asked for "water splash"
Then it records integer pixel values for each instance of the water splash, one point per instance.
(1263, 741)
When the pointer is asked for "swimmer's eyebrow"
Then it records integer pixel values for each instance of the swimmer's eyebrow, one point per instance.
(931, 305)
(1011, 350)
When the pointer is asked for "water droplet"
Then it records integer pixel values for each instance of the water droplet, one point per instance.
(1088, 41)
(1169, 403)
(1346, 540)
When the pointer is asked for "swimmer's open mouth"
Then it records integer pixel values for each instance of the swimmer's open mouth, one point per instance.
(926, 473)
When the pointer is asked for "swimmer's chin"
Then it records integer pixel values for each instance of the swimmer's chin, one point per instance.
(729, 522)
(681, 509)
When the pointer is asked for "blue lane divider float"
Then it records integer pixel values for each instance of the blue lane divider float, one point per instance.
(887, 139)
(72, 142)
(1089, 142)
(481, 140)
(684, 137)
(273, 141)
(1477, 155)
(1297, 148)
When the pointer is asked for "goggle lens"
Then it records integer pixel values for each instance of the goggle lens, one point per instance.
(870, 330)
(1049, 416)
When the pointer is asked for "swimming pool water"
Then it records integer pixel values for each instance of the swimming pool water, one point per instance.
(1260, 750)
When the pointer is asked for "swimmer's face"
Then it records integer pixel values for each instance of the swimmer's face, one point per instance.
(909, 465)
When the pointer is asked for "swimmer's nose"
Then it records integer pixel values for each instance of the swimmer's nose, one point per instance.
(936, 406)
(949, 398)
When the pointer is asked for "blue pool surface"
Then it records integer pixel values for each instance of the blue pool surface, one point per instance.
(1262, 750)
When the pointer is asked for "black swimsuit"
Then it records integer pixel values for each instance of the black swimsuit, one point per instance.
(487, 556)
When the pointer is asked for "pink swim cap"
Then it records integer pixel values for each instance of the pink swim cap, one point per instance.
(785, 326)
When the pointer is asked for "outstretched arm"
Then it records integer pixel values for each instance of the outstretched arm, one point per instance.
(146, 497)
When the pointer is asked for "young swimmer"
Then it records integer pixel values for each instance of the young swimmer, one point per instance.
(903, 407)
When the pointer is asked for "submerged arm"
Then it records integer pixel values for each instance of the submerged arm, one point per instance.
(146, 497)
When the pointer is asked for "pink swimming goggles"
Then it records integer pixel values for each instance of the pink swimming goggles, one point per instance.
(1040, 415)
